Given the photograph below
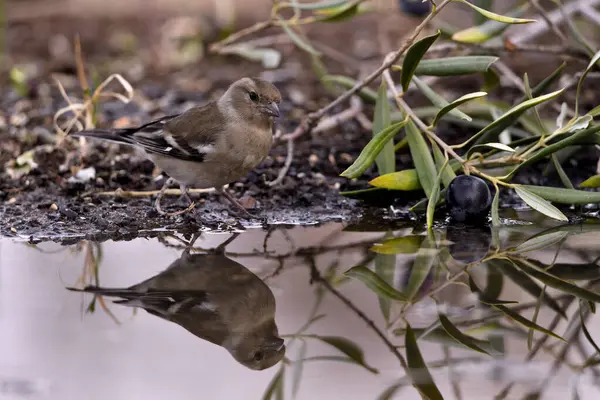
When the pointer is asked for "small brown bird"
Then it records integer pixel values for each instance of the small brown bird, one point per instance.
(211, 145)
(214, 298)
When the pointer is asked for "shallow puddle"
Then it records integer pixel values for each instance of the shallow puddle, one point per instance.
(345, 332)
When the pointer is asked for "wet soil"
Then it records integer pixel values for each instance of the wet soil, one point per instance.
(51, 201)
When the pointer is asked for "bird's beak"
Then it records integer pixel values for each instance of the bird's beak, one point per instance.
(272, 109)
(276, 344)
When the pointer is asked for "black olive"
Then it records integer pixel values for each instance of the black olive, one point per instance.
(416, 8)
(468, 199)
(469, 244)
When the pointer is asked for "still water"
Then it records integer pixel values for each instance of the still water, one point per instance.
(361, 311)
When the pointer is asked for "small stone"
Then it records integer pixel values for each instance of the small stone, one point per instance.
(12, 200)
(313, 159)
(54, 207)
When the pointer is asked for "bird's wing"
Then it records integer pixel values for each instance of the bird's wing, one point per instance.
(187, 136)
(197, 130)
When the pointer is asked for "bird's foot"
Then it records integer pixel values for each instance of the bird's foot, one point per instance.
(175, 213)
(240, 209)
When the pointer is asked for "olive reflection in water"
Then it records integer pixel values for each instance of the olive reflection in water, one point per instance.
(469, 244)
(214, 298)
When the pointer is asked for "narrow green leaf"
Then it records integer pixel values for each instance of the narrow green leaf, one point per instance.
(510, 117)
(561, 173)
(413, 56)
(298, 367)
(497, 17)
(586, 333)
(571, 272)
(450, 107)
(370, 152)
(457, 335)
(564, 196)
(421, 157)
(274, 385)
(487, 30)
(386, 160)
(385, 268)
(497, 146)
(591, 182)
(339, 13)
(319, 5)
(547, 278)
(484, 298)
(553, 148)
(538, 203)
(421, 268)
(495, 207)
(448, 172)
(525, 322)
(534, 320)
(417, 369)
(402, 180)
(479, 19)
(591, 65)
(452, 66)
(539, 242)
(403, 245)
(298, 41)
(544, 84)
(524, 281)
(438, 100)
(375, 283)
(349, 348)
(435, 196)
(388, 394)
(367, 94)
(495, 283)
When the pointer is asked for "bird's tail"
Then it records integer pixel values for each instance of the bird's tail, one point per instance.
(118, 292)
(120, 136)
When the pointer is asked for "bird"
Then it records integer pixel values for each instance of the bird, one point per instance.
(207, 146)
(216, 299)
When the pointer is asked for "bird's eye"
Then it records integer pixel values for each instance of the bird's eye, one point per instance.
(259, 356)
(253, 96)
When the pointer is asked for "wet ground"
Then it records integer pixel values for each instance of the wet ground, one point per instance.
(344, 332)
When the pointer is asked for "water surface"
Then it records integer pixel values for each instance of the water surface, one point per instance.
(485, 283)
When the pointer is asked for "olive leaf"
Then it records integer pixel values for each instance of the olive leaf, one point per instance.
(438, 100)
(401, 180)
(298, 41)
(538, 203)
(435, 196)
(591, 64)
(365, 93)
(417, 369)
(564, 196)
(421, 157)
(421, 267)
(457, 335)
(449, 108)
(497, 17)
(375, 283)
(487, 30)
(495, 206)
(452, 66)
(370, 152)
(349, 348)
(386, 160)
(409, 244)
(525, 322)
(413, 56)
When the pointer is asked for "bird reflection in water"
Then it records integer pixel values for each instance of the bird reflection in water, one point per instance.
(214, 298)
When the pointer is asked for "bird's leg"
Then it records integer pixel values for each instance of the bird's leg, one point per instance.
(161, 195)
(233, 201)
(195, 237)
(221, 248)
(185, 194)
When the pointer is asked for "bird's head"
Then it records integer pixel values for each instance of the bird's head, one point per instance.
(260, 349)
(253, 99)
